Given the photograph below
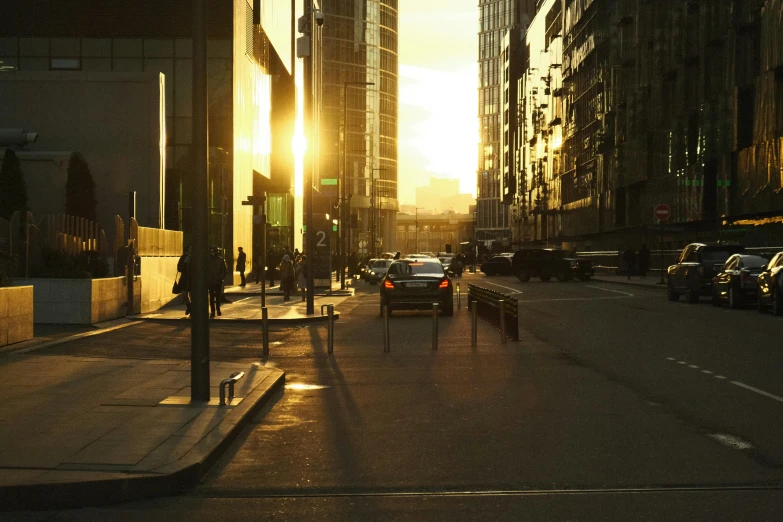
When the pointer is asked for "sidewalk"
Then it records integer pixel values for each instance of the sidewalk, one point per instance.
(89, 430)
(248, 309)
(252, 289)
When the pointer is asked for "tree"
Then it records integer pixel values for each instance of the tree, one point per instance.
(80, 189)
(13, 189)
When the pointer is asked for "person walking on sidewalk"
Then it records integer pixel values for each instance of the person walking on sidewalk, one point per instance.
(629, 258)
(643, 261)
(183, 267)
(301, 276)
(241, 261)
(286, 277)
(216, 273)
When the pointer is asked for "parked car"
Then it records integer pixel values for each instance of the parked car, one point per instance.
(546, 262)
(497, 265)
(417, 283)
(736, 282)
(695, 269)
(770, 286)
(376, 270)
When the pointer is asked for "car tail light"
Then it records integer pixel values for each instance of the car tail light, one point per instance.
(444, 284)
(388, 284)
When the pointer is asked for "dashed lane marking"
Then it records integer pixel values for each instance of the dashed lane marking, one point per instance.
(723, 378)
(513, 290)
(610, 290)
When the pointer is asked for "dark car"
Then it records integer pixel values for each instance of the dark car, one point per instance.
(497, 265)
(544, 263)
(736, 282)
(416, 284)
(770, 286)
(696, 267)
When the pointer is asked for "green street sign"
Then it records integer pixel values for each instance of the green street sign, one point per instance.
(329, 181)
(334, 228)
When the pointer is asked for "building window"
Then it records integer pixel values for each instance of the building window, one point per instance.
(248, 30)
(65, 64)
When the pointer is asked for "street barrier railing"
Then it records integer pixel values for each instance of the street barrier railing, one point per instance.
(497, 308)
(265, 332)
(230, 383)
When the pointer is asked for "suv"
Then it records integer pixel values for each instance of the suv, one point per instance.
(697, 265)
(546, 262)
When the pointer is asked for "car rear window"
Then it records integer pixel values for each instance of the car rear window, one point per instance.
(753, 262)
(380, 264)
(414, 267)
(716, 255)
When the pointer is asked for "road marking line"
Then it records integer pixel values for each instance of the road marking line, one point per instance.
(692, 366)
(506, 287)
(571, 299)
(756, 390)
(720, 377)
(609, 290)
(706, 371)
(671, 359)
(681, 362)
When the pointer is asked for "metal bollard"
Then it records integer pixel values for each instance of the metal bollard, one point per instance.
(474, 324)
(502, 310)
(330, 328)
(265, 331)
(434, 326)
(386, 344)
(459, 299)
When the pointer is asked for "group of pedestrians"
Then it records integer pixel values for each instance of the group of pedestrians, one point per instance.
(216, 276)
(638, 263)
(293, 274)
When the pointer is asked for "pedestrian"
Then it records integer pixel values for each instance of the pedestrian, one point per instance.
(397, 255)
(352, 262)
(644, 261)
(183, 267)
(286, 277)
(301, 275)
(629, 258)
(271, 263)
(241, 260)
(223, 298)
(216, 273)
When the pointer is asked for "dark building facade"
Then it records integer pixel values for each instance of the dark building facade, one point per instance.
(359, 116)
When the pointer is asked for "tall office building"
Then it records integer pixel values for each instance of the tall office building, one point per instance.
(359, 116)
(496, 17)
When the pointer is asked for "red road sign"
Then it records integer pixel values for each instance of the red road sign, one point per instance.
(662, 212)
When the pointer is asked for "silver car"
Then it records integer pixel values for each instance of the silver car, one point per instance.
(377, 270)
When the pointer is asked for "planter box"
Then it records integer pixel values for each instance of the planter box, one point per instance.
(80, 301)
(16, 314)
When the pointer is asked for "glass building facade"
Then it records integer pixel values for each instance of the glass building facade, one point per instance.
(358, 140)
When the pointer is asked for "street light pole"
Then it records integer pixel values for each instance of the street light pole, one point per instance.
(372, 205)
(345, 209)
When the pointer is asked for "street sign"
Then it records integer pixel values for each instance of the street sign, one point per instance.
(662, 212)
(328, 181)
(321, 259)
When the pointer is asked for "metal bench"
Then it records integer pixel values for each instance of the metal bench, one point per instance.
(230, 382)
(488, 303)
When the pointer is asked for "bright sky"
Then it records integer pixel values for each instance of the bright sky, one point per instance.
(438, 126)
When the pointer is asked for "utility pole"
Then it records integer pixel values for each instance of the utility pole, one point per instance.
(199, 321)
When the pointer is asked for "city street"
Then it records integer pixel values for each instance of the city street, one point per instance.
(615, 405)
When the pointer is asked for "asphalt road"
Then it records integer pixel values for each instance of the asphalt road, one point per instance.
(615, 405)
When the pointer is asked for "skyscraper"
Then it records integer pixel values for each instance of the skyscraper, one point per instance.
(359, 117)
(495, 18)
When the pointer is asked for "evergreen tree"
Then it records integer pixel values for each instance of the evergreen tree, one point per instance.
(13, 189)
(80, 189)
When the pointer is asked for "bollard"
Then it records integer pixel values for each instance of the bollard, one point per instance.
(459, 299)
(265, 331)
(474, 324)
(330, 328)
(386, 345)
(434, 326)
(502, 310)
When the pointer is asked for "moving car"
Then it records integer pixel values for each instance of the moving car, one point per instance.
(416, 284)
(546, 262)
(736, 282)
(497, 265)
(696, 267)
(770, 286)
(376, 269)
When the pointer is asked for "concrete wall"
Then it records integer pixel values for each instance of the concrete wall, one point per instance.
(16, 314)
(79, 301)
(116, 120)
(157, 276)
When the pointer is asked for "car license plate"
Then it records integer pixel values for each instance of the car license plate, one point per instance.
(417, 285)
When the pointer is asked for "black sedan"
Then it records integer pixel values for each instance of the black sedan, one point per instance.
(498, 265)
(770, 283)
(736, 282)
(416, 284)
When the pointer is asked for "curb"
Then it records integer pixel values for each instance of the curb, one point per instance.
(171, 479)
(238, 320)
(631, 283)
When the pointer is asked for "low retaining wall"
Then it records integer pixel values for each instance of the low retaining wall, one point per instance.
(80, 301)
(16, 314)
(157, 275)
